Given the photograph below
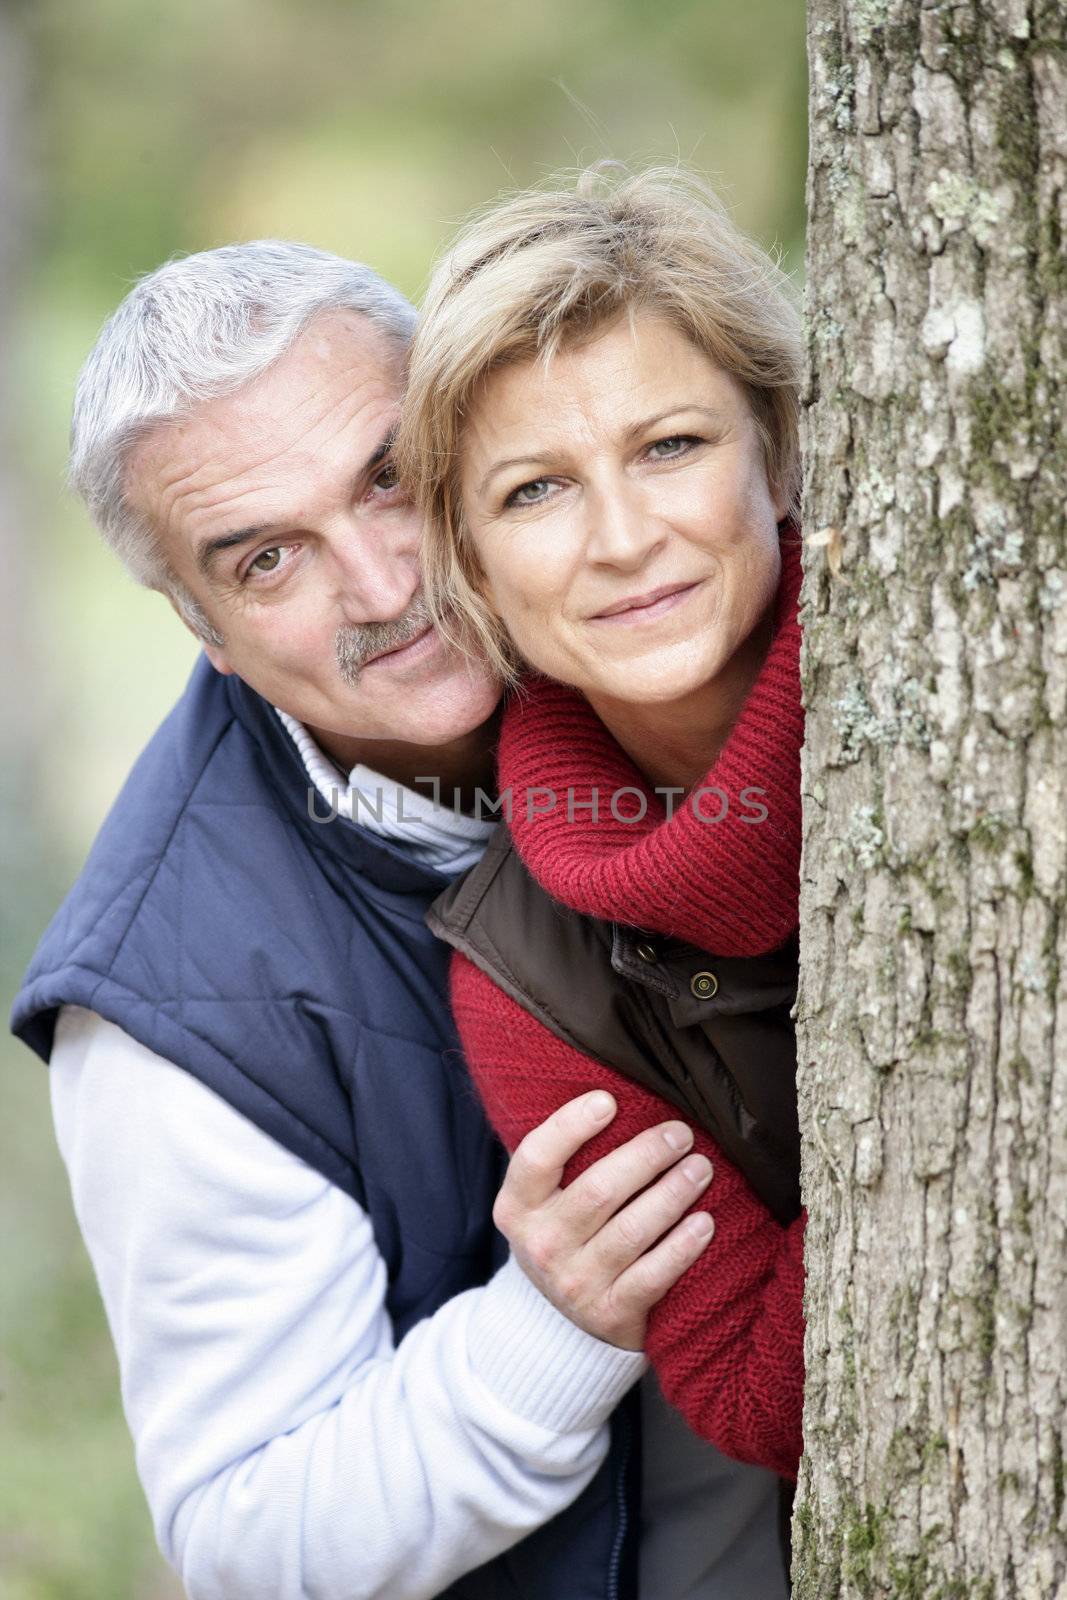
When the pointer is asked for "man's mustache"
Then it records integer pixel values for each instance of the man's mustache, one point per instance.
(356, 646)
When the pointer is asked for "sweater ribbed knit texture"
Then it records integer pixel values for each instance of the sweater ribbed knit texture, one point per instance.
(727, 1341)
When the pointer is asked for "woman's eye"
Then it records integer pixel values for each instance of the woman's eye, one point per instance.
(528, 494)
(676, 445)
(388, 477)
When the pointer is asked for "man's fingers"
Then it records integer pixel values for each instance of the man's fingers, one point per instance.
(644, 1284)
(587, 1203)
(609, 1246)
(536, 1167)
(635, 1228)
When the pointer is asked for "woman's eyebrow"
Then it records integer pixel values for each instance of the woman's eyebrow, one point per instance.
(673, 411)
(503, 466)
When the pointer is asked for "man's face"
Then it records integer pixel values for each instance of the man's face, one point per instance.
(277, 508)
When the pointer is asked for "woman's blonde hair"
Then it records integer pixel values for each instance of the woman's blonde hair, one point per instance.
(549, 266)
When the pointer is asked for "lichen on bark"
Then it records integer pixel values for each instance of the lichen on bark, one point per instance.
(932, 1013)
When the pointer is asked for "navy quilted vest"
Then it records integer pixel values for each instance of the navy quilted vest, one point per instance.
(286, 964)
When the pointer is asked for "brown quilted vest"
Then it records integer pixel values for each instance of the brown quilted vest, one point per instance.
(713, 1035)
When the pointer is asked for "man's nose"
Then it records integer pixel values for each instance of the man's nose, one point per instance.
(377, 577)
(622, 531)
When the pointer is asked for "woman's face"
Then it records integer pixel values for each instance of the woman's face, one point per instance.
(620, 510)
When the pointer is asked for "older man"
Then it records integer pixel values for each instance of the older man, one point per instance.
(336, 1382)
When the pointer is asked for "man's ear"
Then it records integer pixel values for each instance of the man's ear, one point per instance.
(216, 653)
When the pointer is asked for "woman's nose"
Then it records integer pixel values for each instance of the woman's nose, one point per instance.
(622, 530)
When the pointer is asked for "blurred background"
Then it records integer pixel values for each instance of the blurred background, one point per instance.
(130, 131)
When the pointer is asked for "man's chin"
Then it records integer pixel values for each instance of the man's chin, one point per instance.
(432, 707)
(450, 705)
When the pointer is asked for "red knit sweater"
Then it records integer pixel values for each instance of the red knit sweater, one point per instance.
(727, 1340)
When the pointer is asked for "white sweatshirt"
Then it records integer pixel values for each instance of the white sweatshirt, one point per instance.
(285, 1446)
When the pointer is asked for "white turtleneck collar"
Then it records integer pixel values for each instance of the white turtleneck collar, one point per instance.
(435, 835)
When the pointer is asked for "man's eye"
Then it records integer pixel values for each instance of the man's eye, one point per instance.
(528, 494)
(267, 560)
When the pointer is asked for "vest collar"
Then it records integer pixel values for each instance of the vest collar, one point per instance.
(373, 857)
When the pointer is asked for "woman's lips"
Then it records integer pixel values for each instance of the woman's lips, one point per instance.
(647, 607)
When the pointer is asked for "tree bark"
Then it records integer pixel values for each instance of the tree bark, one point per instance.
(933, 1004)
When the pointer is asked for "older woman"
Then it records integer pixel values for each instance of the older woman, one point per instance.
(602, 428)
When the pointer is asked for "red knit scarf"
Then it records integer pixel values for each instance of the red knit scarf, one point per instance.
(730, 886)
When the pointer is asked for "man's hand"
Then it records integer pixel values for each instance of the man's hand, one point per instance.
(603, 1257)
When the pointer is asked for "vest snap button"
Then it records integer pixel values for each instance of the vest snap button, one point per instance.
(647, 952)
(703, 985)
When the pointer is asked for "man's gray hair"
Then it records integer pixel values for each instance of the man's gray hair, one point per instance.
(200, 326)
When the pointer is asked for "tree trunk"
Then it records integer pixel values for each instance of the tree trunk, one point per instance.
(933, 1001)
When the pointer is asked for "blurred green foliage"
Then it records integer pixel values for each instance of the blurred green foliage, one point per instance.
(366, 126)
